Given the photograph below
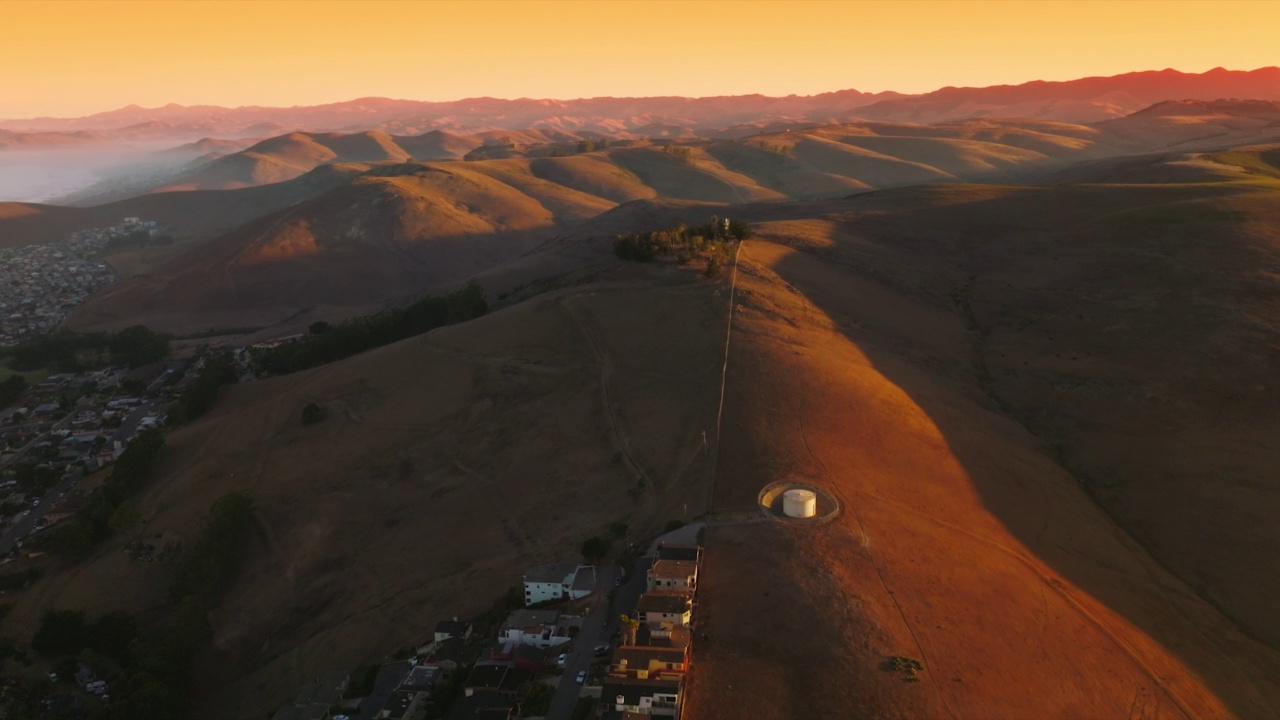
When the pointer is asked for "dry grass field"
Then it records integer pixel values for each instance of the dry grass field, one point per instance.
(447, 465)
(1048, 412)
(1049, 432)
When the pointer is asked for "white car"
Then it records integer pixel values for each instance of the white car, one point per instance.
(560, 660)
(582, 676)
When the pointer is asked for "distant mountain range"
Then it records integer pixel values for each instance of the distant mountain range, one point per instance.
(1084, 100)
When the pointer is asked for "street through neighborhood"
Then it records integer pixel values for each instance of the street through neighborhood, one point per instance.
(597, 630)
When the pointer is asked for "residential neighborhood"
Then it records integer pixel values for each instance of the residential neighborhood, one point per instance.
(66, 427)
(41, 284)
(572, 649)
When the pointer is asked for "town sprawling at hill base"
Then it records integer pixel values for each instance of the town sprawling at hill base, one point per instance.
(950, 405)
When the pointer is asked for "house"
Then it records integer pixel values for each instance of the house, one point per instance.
(483, 705)
(665, 635)
(61, 511)
(647, 663)
(673, 575)
(646, 697)
(665, 607)
(446, 629)
(46, 409)
(314, 701)
(496, 677)
(529, 657)
(556, 582)
(422, 678)
(449, 653)
(533, 627)
(684, 553)
(402, 704)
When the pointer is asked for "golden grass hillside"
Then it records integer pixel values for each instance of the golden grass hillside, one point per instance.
(1048, 413)
(447, 465)
(1050, 432)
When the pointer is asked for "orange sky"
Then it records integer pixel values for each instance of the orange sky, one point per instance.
(72, 58)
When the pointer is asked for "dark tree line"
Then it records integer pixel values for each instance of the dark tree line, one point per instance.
(158, 664)
(12, 389)
(68, 632)
(208, 566)
(66, 351)
(101, 513)
(218, 369)
(328, 343)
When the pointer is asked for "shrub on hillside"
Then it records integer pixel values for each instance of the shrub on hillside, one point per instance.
(312, 414)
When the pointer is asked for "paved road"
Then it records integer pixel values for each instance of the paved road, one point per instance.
(597, 630)
(24, 524)
(133, 419)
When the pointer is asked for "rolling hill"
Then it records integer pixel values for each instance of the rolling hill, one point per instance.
(359, 234)
(189, 216)
(1046, 411)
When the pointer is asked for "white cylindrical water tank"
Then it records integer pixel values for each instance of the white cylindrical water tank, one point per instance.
(799, 503)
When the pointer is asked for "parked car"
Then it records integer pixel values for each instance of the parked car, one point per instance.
(560, 660)
(582, 677)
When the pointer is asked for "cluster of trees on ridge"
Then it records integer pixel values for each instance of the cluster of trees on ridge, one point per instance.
(326, 343)
(682, 243)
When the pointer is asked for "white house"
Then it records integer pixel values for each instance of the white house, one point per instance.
(533, 627)
(556, 582)
(642, 697)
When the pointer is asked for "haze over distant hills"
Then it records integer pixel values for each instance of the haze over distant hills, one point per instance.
(1083, 100)
(308, 220)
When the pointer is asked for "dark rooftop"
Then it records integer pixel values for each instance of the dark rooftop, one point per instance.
(672, 551)
(663, 602)
(422, 678)
(486, 676)
(632, 689)
(398, 704)
(676, 637)
(454, 628)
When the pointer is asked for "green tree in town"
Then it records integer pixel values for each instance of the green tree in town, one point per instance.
(595, 548)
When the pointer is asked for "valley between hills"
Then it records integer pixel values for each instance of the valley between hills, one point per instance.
(1034, 360)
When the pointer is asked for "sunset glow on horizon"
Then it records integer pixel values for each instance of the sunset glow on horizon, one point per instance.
(76, 58)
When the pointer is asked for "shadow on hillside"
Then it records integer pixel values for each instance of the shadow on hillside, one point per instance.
(900, 369)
